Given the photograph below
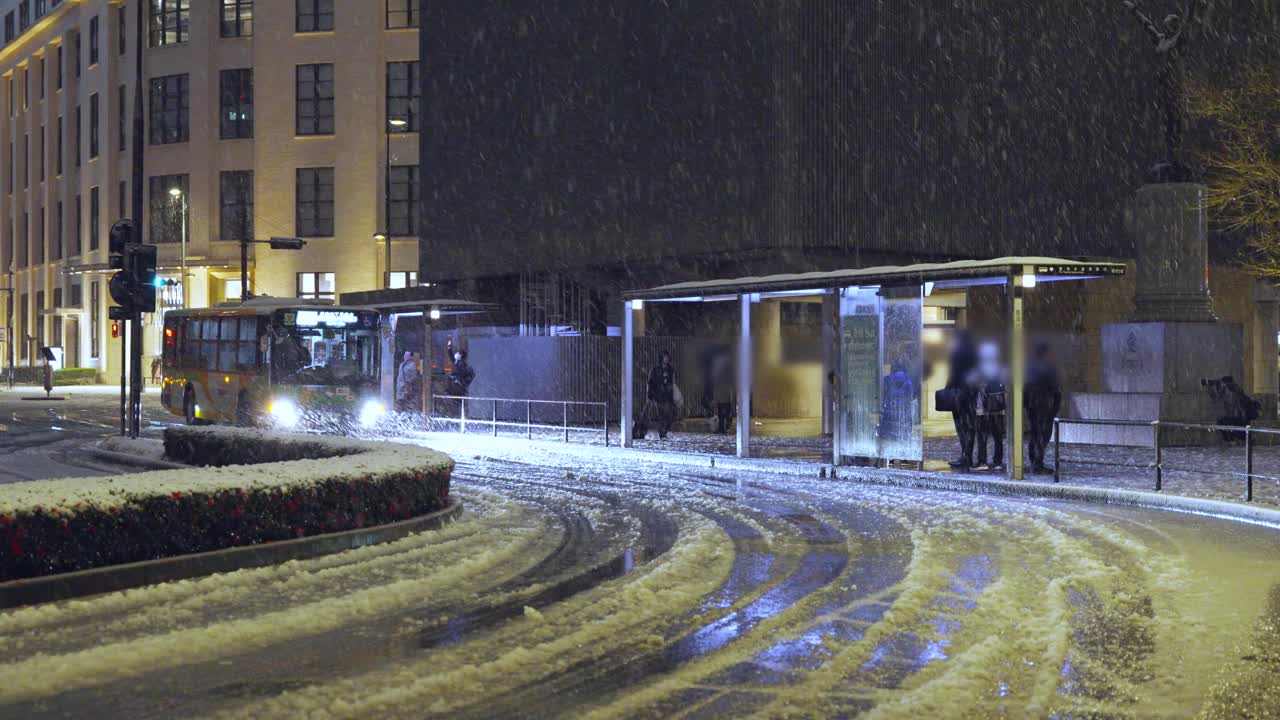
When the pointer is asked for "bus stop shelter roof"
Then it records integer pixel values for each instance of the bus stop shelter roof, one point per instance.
(1044, 268)
(413, 299)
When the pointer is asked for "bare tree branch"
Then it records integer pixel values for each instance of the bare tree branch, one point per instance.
(1152, 29)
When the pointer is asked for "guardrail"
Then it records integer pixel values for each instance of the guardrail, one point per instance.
(515, 404)
(1158, 464)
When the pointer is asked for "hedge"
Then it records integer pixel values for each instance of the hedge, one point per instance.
(255, 488)
(34, 375)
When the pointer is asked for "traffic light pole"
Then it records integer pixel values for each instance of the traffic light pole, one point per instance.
(124, 403)
(138, 178)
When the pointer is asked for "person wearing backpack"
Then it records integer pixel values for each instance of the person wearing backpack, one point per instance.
(988, 384)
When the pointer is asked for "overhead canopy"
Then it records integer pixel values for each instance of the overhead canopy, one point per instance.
(413, 299)
(1046, 269)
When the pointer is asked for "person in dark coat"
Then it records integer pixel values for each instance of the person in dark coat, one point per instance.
(661, 393)
(1042, 400)
(461, 376)
(408, 387)
(960, 365)
(988, 387)
(897, 406)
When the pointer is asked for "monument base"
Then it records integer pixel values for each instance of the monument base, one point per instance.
(1155, 371)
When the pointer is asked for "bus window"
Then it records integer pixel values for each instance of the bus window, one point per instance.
(227, 346)
(248, 354)
(209, 343)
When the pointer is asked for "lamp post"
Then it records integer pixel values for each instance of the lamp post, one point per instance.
(393, 125)
(177, 194)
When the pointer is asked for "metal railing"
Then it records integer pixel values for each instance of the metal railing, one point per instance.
(1158, 463)
(461, 417)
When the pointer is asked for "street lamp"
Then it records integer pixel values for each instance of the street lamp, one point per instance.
(177, 194)
(393, 125)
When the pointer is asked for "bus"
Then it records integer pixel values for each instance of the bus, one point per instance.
(291, 366)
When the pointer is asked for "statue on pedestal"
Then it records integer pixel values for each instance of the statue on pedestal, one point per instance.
(1170, 37)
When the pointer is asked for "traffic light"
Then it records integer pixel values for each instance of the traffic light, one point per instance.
(122, 234)
(140, 263)
(115, 329)
(121, 289)
(286, 243)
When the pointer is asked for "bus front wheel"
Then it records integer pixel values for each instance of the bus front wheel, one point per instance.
(189, 407)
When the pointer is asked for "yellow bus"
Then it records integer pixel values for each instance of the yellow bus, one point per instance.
(293, 366)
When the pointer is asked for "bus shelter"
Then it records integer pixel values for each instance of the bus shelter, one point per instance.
(395, 305)
(876, 320)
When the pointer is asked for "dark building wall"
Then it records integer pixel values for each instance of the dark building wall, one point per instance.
(632, 142)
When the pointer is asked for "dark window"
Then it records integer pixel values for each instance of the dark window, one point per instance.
(55, 246)
(170, 108)
(24, 344)
(39, 320)
(122, 29)
(315, 15)
(403, 91)
(93, 125)
(95, 308)
(406, 191)
(77, 244)
(79, 127)
(93, 40)
(57, 297)
(24, 15)
(26, 88)
(315, 202)
(169, 210)
(37, 241)
(316, 285)
(43, 77)
(77, 296)
(57, 149)
(24, 239)
(237, 205)
(122, 119)
(402, 13)
(95, 216)
(42, 6)
(315, 99)
(10, 29)
(237, 18)
(58, 70)
(75, 52)
(236, 117)
(170, 22)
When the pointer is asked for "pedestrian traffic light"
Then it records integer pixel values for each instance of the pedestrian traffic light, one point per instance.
(122, 234)
(115, 329)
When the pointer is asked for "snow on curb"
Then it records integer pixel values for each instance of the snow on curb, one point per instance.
(300, 485)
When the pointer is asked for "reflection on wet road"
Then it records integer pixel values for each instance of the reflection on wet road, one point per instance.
(637, 590)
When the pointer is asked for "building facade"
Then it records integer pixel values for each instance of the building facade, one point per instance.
(275, 118)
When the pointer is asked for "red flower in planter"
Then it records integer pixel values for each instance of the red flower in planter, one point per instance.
(299, 532)
(177, 497)
(15, 535)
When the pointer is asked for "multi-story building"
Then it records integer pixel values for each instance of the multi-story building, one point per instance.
(294, 118)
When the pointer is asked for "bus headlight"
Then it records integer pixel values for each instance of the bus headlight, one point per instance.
(371, 412)
(284, 412)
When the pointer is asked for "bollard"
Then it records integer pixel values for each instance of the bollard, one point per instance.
(1155, 430)
(566, 421)
(1057, 451)
(528, 419)
(462, 417)
(495, 418)
(605, 424)
(1248, 464)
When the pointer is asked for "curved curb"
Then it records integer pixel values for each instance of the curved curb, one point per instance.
(113, 578)
(134, 460)
(1098, 496)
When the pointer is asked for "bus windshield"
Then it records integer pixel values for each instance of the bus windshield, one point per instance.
(320, 355)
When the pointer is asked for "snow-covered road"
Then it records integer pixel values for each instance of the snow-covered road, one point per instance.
(631, 588)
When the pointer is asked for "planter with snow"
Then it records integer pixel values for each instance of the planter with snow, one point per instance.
(255, 488)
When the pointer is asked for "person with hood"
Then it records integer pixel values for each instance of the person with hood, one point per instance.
(897, 405)
(461, 376)
(661, 393)
(990, 403)
(1042, 400)
(960, 366)
(723, 389)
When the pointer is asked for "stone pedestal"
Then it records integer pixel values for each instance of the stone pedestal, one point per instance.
(1170, 233)
(1152, 367)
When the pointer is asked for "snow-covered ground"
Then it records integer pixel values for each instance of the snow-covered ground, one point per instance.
(603, 585)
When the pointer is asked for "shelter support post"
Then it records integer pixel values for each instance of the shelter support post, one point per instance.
(427, 373)
(628, 370)
(1017, 371)
(387, 387)
(744, 377)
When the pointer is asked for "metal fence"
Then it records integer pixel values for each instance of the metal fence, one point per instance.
(560, 416)
(1249, 437)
